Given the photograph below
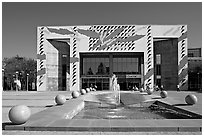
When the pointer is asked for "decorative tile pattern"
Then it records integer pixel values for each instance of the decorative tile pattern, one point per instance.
(183, 73)
(74, 55)
(42, 57)
(149, 54)
(115, 38)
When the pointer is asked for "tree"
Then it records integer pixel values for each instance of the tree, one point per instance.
(21, 65)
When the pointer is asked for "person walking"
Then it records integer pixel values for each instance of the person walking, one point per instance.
(178, 88)
(162, 88)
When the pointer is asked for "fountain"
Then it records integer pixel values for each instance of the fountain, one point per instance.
(124, 105)
(115, 88)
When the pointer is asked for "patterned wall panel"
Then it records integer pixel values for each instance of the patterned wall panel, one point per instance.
(149, 74)
(183, 59)
(74, 64)
(113, 37)
(41, 57)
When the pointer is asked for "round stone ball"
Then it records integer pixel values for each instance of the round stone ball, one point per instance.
(150, 91)
(60, 99)
(163, 94)
(88, 90)
(75, 94)
(141, 90)
(83, 91)
(191, 99)
(91, 89)
(19, 114)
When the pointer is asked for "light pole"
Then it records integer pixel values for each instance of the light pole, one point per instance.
(198, 80)
(27, 81)
(3, 79)
(16, 80)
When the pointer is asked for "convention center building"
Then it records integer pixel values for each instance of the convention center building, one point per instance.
(76, 57)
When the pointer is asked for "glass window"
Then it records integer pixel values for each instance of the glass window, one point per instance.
(158, 69)
(92, 65)
(106, 63)
(119, 65)
(124, 65)
(115, 65)
(89, 69)
(119, 59)
(158, 59)
(129, 67)
(84, 66)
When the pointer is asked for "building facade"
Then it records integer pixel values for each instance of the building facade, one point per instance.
(75, 57)
(195, 69)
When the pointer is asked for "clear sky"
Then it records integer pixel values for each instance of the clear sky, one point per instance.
(20, 20)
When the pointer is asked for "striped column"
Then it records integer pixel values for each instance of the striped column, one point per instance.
(183, 59)
(149, 70)
(41, 58)
(74, 65)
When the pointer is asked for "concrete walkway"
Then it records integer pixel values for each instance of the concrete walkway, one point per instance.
(44, 100)
(36, 101)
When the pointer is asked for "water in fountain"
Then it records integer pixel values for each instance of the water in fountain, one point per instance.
(116, 88)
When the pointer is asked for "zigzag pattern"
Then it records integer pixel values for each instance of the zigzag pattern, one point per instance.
(149, 49)
(128, 30)
(74, 67)
(41, 52)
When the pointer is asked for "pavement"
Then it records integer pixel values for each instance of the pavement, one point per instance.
(47, 116)
(36, 101)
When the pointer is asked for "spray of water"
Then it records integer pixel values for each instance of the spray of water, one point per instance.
(116, 88)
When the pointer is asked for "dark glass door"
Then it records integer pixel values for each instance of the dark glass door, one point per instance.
(101, 83)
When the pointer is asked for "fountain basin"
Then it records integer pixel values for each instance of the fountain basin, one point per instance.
(131, 106)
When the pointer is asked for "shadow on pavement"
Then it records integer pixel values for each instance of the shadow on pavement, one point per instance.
(49, 106)
(157, 98)
(181, 105)
(7, 123)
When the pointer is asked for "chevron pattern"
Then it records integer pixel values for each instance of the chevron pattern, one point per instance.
(74, 51)
(127, 31)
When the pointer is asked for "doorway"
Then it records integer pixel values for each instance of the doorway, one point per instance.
(129, 83)
(102, 83)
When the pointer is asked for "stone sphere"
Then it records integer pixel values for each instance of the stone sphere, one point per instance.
(83, 91)
(141, 90)
(191, 99)
(91, 89)
(75, 94)
(60, 99)
(150, 91)
(163, 94)
(19, 114)
(88, 90)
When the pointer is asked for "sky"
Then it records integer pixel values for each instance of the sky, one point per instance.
(20, 20)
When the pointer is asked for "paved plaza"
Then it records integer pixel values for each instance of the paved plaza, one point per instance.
(47, 116)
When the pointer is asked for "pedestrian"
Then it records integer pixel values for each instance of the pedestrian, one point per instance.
(162, 88)
(18, 84)
(157, 88)
(136, 89)
(178, 89)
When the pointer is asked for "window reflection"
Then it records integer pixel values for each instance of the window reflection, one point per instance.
(126, 65)
(96, 66)
(121, 65)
